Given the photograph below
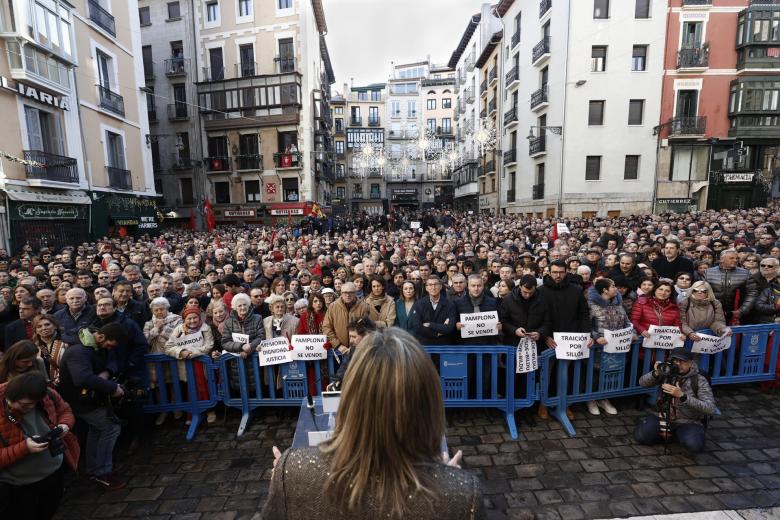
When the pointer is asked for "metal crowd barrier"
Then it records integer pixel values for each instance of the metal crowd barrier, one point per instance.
(166, 395)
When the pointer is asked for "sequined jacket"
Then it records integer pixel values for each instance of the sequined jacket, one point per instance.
(297, 492)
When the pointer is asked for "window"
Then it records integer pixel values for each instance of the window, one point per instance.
(376, 192)
(340, 192)
(362, 95)
(212, 12)
(639, 58)
(600, 8)
(115, 147)
(411, 109)
(285, 4)
(689, 163)
(144, 17)
(431, 124)
(244, 8)
(339, 147)
(598, 58)
(187, 196)
(596, 113)
(51, 30)
(642, 9)
(246, 56)
(593, 168)
(183, 148)
(44, 131)
(339, 110)
(636, 109)
(631, 169)
(446, 103)
(446, 125)
(222, 192)
(252, 191)
(373, 115)
(339, 124)
(376, 95)
(431, 104)
(290, 190)
(174, 11)
(146, 54)
(395, 109)
(218, 146)
(286, 55)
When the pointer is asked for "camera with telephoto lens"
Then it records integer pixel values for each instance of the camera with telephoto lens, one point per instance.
(135, 390)
(667, 370)
(54, 438)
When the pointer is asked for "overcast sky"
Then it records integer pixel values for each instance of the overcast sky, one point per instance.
(364, 36)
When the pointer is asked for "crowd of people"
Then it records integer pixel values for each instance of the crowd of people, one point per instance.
(81, 318)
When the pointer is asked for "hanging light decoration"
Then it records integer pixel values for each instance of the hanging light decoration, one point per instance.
(484, 135)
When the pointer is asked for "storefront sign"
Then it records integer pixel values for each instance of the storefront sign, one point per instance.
(239, 213)
(290, 211)
(33, 93)
(148, 223)
(682, 201)
(738, 177)
(126, 221)
(35, 212)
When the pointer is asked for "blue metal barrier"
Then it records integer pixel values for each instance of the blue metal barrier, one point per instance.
(165, 369)
(751, 357)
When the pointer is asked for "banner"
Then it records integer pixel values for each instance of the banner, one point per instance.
(414, 225)
(711, 344)
(562, 228)
(618, 341)
(571, 345)
(479, 324)
(192, 342)
(275, 352)
(307, 347)
(526, 356)
(665, 338)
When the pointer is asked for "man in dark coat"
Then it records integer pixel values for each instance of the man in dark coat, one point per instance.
(671, 262)
(476, 300)
(125, 304)
(21, 329)
(524, 313)
(433, 316)
(628, 269)
(75, 315)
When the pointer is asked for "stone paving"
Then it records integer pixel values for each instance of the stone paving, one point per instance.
(601, 473)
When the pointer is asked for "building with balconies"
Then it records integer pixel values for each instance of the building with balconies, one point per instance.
(80, 136)
(263, 92)
(338, 104)
(365, 189)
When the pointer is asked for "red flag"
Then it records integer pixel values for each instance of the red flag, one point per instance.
(192, 219)
(273, 237)
(210, 220)
(218, 241)
(554, 234)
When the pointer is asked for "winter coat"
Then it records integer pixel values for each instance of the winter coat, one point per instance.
(338, 317)
(759, 284)
(650, 311)
(13, 446)
(289, 326)
(129, 355)
(667, 269)
(441, 321)
(634, 277)
(385, 309)
(81, 364)
(70, 325)
(316, 326)
(766, 305)
(173, 350)
(138, 312)
(725, 285)
(697, 405)
(566, 306)
(401, 316)
(606, 314)
(534, 318)
(463, 305)
(251, 325)
(157, 337)
(697, 315)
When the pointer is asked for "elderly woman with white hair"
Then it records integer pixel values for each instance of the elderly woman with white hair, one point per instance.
(158, 331)
(280, 323)
(701, 310)
(242, 321)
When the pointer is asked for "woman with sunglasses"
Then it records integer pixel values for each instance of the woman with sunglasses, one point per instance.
(701, 310)
(682, 285)
(289, 299)
(751, 263)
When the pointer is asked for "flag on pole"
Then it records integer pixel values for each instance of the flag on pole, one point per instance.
(210, 220)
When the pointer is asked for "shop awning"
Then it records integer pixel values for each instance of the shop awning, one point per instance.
(25, 194)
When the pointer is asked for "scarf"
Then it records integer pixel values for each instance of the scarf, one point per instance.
(476, 302)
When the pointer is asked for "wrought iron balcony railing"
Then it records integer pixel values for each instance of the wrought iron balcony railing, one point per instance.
(119, 179)
(111, 101)
(101, 17)
(51, 167)
(540, 49)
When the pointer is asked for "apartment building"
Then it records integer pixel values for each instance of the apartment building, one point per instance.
(77, 120)
(490, 93)
(719, 131)
(365, 117)
(264, 101)
(169, 43)
(338, 105)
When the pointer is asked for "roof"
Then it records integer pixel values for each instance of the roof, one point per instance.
(319, 16)
(488, 50)
(464, 40)
(372, 86)
(503, 6)
(326, 59)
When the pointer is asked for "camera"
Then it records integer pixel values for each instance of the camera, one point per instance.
(54, 438)
(667, 370)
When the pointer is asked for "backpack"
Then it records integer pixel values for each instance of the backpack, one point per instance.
(695, 388)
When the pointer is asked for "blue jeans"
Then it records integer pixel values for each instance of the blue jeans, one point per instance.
(689, 435)
(101, 437)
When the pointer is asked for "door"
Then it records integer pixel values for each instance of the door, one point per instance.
(687, 103)
(691, 36)
(217, 71)
(180, 100)
(104, 70)
(116, 150)
(34, 131)
(247, 58)
(286, 55)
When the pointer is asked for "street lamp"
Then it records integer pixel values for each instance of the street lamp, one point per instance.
(557, 130)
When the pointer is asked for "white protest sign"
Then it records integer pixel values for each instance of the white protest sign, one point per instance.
(479, 324)
(711, 344)
(665, 338)
(618, 341)
(275, 352)
(307, 347)
(571, 345)
(192, 342)
(240, 338)
(562, 228)
(414, 225)
(527, 359)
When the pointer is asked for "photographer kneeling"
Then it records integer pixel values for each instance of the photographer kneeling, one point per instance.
(35, 438)
(684, 402)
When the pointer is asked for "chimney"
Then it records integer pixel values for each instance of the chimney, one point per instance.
(351, 82)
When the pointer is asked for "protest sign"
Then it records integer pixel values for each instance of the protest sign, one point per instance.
(665, 338)
(618, 341)
(562, 228)
(526, 356)
(711, 344)
(479, 324)
(414, 225)
(192, 342)
(240, 338)
(275, 352)
(571, 345)
(307, 347)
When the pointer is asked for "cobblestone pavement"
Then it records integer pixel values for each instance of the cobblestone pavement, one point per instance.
(601, 473)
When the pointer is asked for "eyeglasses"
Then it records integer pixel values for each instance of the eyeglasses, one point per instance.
(348, 292)
(700, 291)
(768, 266)
(684, 278)
(289, 299)
(751, 260)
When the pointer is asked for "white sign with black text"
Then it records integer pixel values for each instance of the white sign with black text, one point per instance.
(571, 345)
(665, 338)
(479, 324)
(309, 347)
(618, 341)
(526, 356)
(711, 344)
(275, 352)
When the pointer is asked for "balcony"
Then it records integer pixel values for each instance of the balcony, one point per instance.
(111, 101)
(217, 163)
(176, 67)
(249, 161)
(213, 74)
(288, 160)
(151, 113)
(340, 175)
(510, 196)
(539, 99)
(510, 117)
(698, 58)
(483, 113)
(119, 179)
(339, 131)
(687, 126)
(492, 106)
(468, 95)
(544, 6)
(356, 121)
(515, 39)
(537, 146)
(510, 157)
(374, 121)
(490, 166)
(470, 62)
(51, 167)
(101, 17)
(284, 65)
(512, 77)
(696, 3)
(444, 131)
(483, 88)
(182, 161)
(492, 75)
(376, 196)
(541, 51)
(178, 112)
(537, 192)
